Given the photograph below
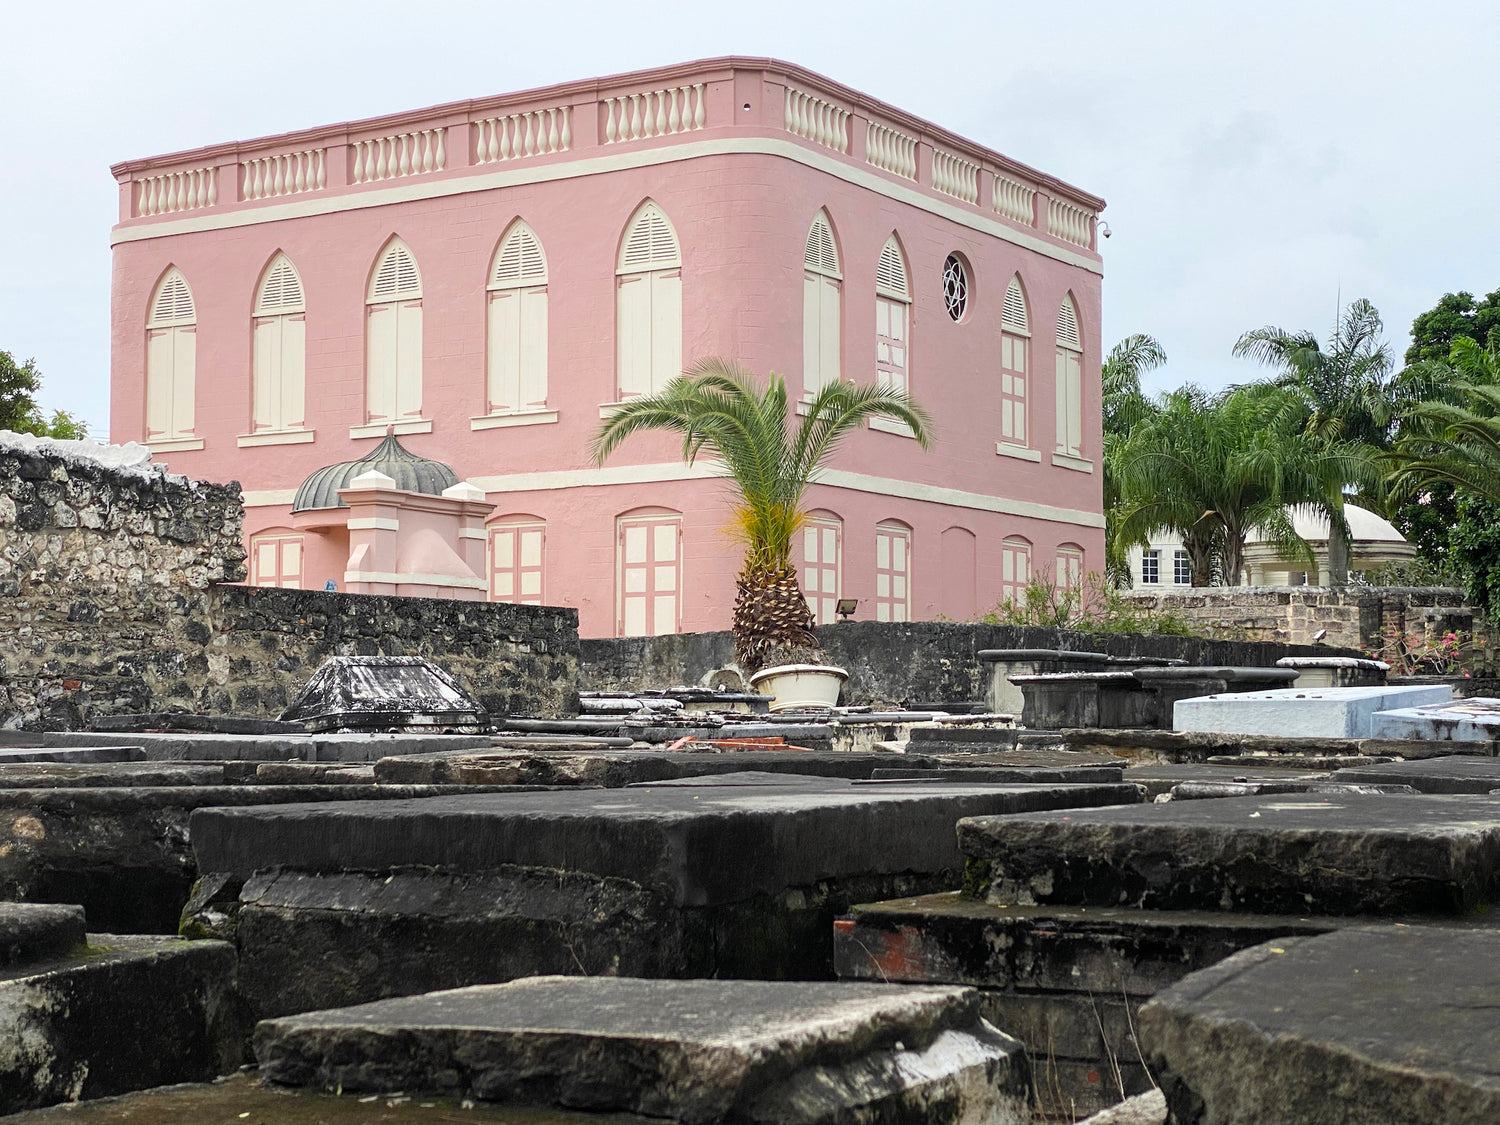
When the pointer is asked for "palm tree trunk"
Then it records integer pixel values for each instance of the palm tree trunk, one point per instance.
(769, 613)
(1338, 557)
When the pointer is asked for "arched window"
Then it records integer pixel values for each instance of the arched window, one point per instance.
(517, 560)
(1015, 570)
(276, 558)
(822, 285)
(892, 571)
(518, 324)
(171, 360)
(648, 305)
(393, 338)
(648, 573)
(1015, 343)
(1069, 380)
(1070, 566)
(892, 318)
(279, 349)
(822, 565)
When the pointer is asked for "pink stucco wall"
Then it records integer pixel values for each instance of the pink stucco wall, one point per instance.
(742, 218)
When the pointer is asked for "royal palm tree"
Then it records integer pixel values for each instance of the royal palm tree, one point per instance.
(720, 408)
(1341, 395)
(1214, 467)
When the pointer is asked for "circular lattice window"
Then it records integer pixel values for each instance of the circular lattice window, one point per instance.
(955, 286)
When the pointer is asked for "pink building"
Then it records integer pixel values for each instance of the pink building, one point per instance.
(486, 279)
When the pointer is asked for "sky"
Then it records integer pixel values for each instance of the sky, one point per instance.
(1261, 162)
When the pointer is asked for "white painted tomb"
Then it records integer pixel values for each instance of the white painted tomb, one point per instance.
(1462, 720)
(1302, 712)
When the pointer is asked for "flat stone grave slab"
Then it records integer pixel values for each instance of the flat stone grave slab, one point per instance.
(190, 721)
(30, 754)
(342, 903)
(69, 775)
(122, 852)
(696, 1051)
(31, 931)
(613, 768)
(1172, 747)
(1317, 712)
(209, 747)
(1159, 780)
(1067, 981)
(1431, 775)
(120, 1013)
(1010, 775)
(1388, 1024)
(1291, 854)
(1461, 720)
(221, 1102)
(1293, 760)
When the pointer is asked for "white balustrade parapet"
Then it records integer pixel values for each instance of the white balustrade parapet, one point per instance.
(177, 191)
(1014, 200)
(818, 121)
(400, 154)
(891, 150)
(285, 173)
(1070, 223)
(523, 134)
(656, 113)
(955, 176)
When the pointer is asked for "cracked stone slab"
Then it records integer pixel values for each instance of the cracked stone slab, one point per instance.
(1282, 854)
(696, 1051)
(1373, 1025)
(696, 845)
(1460, 774)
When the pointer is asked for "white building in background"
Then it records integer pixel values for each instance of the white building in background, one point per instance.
(1374, 543)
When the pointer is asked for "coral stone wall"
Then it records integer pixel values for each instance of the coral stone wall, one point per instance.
(113, 599)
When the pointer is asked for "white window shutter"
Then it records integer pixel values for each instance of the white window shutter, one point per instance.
(533, 334)
(1067, 326)
(812, 326)
(281, 290)
(159, 347)
(650, 242)
(184, 379)
(666, 328)
(505, 351)
(821, 256)
(173, 303)
(890, 272)
(380, 363)
(633, 335)
(520, 261)
(267, 358)
(293, 371)
(409, 359)
(1013, 317)
(829, 313)
(396, 275)
(1062, 399)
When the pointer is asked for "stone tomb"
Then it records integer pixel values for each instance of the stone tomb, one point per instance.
(700, 1051)
(407, 693)
(1459, 774)
(86, 1016)
(1372, 1025)
(1459, 720)
(1318, 713)
(1336, 671)
(354, 901)
(1289, 854)
(1064, 980)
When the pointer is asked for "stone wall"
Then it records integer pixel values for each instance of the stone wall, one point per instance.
(1350, 616)
(923, 661)
(113, 599)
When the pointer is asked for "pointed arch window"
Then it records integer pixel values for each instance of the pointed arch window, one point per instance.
(1015, 366)
(1069, 380)
(892, 318)
(822, 306)
(393, 338)
(648, 305)
(171, 361)
(517, 345)
(279, 350)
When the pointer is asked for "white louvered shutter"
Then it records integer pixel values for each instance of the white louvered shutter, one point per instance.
(518, 324)
(1067, 326)
(281, 291)
(396, 276)
(648, 306)
(890, 272)
(1013, 316)
(520, 261)
(279, 350)
(171, 360)
(393, 348)
(651, 243)
(1069, 381)
(173, 303)
(822, 307)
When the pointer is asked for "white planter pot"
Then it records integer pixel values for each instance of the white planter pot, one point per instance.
(800, 685)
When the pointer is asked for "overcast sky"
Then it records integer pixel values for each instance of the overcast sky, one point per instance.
(1256, 165)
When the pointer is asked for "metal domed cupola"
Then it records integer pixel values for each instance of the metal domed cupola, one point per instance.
(410, 472)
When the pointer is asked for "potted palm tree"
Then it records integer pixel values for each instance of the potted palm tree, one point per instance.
(722, 409)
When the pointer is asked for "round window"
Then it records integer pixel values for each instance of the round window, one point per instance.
(955, 286)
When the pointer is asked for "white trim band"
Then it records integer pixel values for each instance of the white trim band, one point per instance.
(374, 523)
(445, 580)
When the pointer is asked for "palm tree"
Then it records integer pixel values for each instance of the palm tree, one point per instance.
(1451, 436)
(1341, 395)
(1214, 467)
(719, 407)
(1125, 406)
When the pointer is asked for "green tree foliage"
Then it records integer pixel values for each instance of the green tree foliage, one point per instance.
(19, 410)
(1457, 316)
(1213, 467)
(720, 408)
(1125, 406)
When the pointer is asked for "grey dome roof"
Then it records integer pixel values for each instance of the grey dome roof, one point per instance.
(410, 472)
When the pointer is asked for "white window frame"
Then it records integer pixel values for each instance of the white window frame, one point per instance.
(648, 304)
(1015, 367)
(171, 360)
(1182, 568)
(658, 619)
(822, 307)
(823, 565)
(1015, 570)
(893, 571)
(520, 529)
(1069, 380)
(281, 543)
(516, 325)
(394, 308)
(1151, 567)
(278, 367)
(892, 318)
(1069, 567)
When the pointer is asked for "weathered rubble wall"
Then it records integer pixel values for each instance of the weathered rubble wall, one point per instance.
(921, 661)
(114, 598)
(1353, 617)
